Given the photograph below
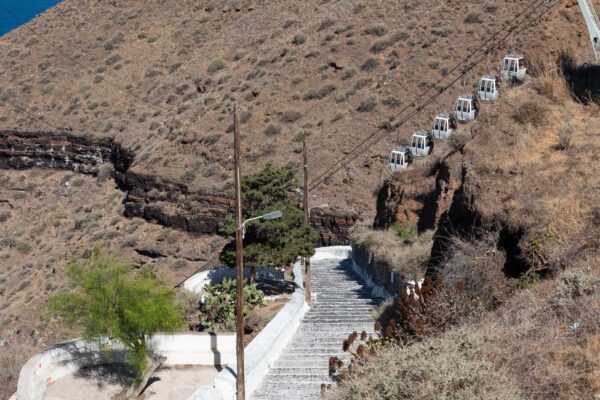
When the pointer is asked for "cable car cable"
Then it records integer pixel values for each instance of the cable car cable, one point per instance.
(461, 64)
(365, 146)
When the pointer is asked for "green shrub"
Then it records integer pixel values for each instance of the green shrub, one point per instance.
(404, 231)
(574, 284)
(360, 7)
(300, 137)
(564, 137)
(529, 279)
(23, 247)
(217, 312)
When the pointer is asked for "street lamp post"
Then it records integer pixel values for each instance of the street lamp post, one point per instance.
(240, 232)
(307, 288)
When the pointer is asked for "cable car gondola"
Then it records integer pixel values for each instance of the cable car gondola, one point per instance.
(400, 158)
(466, 108)
(443, 126)
(513, 68)
(488, 88)
(421, 144)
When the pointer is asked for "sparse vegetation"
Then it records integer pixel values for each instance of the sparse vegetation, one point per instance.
(473, 18)
(325, 24)
(215, 66)
(290, 116)
(272, 130)
(367, 105)
(531, 113)
(298, 39)
(406, 257)
(369, 65)
(376, 30)
(320, 93)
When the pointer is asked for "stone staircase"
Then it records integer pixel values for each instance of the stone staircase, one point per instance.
(343, 305)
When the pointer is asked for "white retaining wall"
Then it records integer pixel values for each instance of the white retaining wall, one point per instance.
(66, 358)
(266, 346)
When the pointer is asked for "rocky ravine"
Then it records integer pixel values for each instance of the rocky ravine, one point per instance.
(155, 199)
(511, 173)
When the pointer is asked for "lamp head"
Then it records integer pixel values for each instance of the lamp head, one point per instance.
(272, 215)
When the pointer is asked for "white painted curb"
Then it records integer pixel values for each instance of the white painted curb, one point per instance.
(43, 369)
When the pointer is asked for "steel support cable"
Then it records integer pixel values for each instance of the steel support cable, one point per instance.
(373, 139)
(366, 144)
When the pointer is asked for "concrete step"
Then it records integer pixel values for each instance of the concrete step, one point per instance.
(343, 305)
(316, 362)
(298, 378)
(306, 357)
(320, 371)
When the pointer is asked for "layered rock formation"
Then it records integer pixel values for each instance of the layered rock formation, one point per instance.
(159, 200)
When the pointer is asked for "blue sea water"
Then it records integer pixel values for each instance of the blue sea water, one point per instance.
(23, 10)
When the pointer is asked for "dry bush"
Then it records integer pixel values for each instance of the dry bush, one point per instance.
(451, 367)
(549, 79)
(541, 344)
(531, 113)
(12, 358)
(548, 340)
(476, 264)
(407, 259)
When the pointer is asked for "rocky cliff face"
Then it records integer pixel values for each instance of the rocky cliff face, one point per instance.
(21, 150)
(173, 204)
(334, 227)
(168, 203)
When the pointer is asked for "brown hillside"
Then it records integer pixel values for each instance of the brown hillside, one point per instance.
(160, 78)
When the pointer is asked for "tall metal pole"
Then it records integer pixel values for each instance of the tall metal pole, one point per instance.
(239, 260)
(307, 289)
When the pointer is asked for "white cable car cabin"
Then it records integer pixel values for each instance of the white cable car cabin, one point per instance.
(421, 144)
(466, 108)
(488, 89)
(443, 125)
(400, 158)
(513, 68)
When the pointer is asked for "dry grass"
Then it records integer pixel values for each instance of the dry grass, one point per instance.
(550, 348)
(12, 358)
(529, 349)
(476, 263)
(451, 367)
(406, 258)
